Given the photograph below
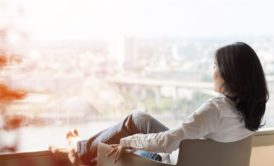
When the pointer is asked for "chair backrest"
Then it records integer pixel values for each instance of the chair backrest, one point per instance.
(126, 160)
(206, 152)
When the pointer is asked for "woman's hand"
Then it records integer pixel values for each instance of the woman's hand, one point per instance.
(119, 151)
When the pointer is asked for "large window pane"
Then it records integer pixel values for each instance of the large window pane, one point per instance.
(86, 64)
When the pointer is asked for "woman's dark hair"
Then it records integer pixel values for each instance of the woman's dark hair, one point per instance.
(245, 82)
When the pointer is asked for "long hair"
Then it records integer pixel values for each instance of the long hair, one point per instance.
(245, 82)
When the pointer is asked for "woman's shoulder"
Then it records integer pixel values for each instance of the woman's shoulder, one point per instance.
(223, 104)
(220, 99)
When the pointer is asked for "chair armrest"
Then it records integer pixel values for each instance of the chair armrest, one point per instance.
(126, 160)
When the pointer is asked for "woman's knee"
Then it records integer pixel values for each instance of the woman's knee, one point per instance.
(142, 120)
(141, 116)
(145, 123)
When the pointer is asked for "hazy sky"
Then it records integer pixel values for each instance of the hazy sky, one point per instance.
(68, 19)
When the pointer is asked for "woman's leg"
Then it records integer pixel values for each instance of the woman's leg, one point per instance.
(138, 122)
(149, 155)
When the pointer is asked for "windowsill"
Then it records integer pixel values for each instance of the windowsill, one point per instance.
(34, 158)
(265, 131)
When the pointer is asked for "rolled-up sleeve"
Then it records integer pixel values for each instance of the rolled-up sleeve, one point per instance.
(202, 122)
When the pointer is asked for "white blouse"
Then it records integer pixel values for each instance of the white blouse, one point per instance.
(217, 119)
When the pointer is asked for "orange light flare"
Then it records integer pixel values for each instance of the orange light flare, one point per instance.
(11, 59)
(8, 95)
(3, 60)
(13, 122)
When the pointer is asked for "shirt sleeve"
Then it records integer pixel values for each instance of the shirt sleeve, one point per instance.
(202, 122)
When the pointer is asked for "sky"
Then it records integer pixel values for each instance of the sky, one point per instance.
(69, 19)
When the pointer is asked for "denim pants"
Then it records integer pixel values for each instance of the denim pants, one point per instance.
(137, 122)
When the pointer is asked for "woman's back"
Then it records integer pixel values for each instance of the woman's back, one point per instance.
(230, 127)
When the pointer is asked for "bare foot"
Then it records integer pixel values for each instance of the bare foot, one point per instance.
(55, 149)
(71, 150)
(72, 138)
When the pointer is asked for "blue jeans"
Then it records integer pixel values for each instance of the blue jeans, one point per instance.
(149, 155)
(136, 122)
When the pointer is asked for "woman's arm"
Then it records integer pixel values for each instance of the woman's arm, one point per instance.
(202, 122)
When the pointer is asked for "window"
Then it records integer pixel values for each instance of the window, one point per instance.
(86, 64)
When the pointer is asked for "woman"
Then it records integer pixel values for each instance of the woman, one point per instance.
(233, 115)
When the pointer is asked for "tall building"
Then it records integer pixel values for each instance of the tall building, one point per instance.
(123, 50)
(130, 53)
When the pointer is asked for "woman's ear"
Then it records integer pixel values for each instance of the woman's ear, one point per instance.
(222, 88)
